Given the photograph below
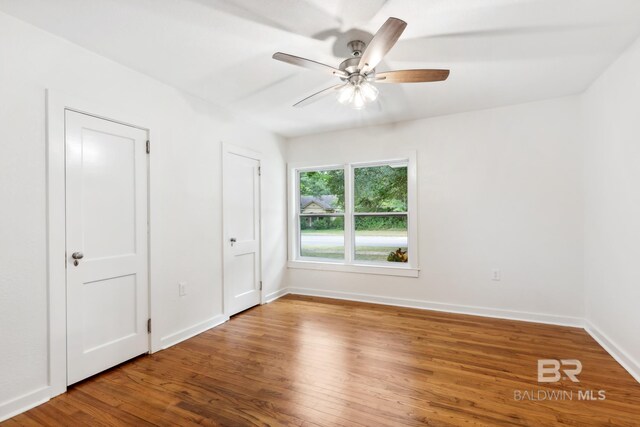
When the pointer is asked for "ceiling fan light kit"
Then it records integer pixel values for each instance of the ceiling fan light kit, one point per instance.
(358, 73)
(357, 94)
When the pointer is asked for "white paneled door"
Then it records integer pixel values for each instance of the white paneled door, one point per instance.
(241, 205)
(107, 244)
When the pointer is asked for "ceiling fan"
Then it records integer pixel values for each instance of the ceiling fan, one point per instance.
(358, 73)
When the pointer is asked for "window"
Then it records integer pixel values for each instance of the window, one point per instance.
(355, 217)
(380, 213)
(321, 214)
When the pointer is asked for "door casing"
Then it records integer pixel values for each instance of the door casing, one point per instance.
(58, 103)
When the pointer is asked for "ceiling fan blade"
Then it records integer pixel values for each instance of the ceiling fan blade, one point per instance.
(411, 76)
(382, 42)
(308, 63)
(317, 96)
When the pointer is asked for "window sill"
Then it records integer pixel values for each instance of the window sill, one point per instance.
(355, 268)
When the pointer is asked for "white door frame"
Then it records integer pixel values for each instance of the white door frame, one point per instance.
(57, 103)
(245, 152)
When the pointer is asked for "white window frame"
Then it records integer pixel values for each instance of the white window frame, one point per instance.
(349, 264)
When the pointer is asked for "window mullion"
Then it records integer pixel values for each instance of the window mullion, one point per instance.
(348, 217)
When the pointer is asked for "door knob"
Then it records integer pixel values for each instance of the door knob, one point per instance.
(77, 256)
(232, 240)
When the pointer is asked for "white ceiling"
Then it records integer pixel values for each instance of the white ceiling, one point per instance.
(500, 52)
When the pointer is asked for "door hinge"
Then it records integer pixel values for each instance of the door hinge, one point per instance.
(260, 284)
(148, 146)
(259, 170)
(148, 326)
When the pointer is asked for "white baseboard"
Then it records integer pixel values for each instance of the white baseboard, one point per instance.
(275, 295)
(23, 403)
(185, 334)
(622, 357)
(449, 308)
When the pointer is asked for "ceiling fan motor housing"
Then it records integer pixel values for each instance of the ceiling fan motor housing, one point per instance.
(350, 65)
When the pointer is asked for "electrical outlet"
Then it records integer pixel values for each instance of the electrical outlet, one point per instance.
(182, 288)
(495, 274)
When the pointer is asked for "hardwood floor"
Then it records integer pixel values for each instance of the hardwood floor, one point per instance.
(321, 362)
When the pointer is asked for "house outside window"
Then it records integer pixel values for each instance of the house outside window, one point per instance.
(318, 204)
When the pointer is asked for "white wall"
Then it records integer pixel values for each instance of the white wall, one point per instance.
(611, 108)
(497, 188)
(185, 194)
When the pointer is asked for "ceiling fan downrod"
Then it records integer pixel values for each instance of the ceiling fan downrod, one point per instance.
(356, 47)
(350, 65)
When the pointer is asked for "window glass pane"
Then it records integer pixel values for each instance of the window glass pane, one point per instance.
(380, 189)
(381, 238)
(322, 192)
(322, 237)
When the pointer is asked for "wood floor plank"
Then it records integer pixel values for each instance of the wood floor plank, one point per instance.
(306, 361)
